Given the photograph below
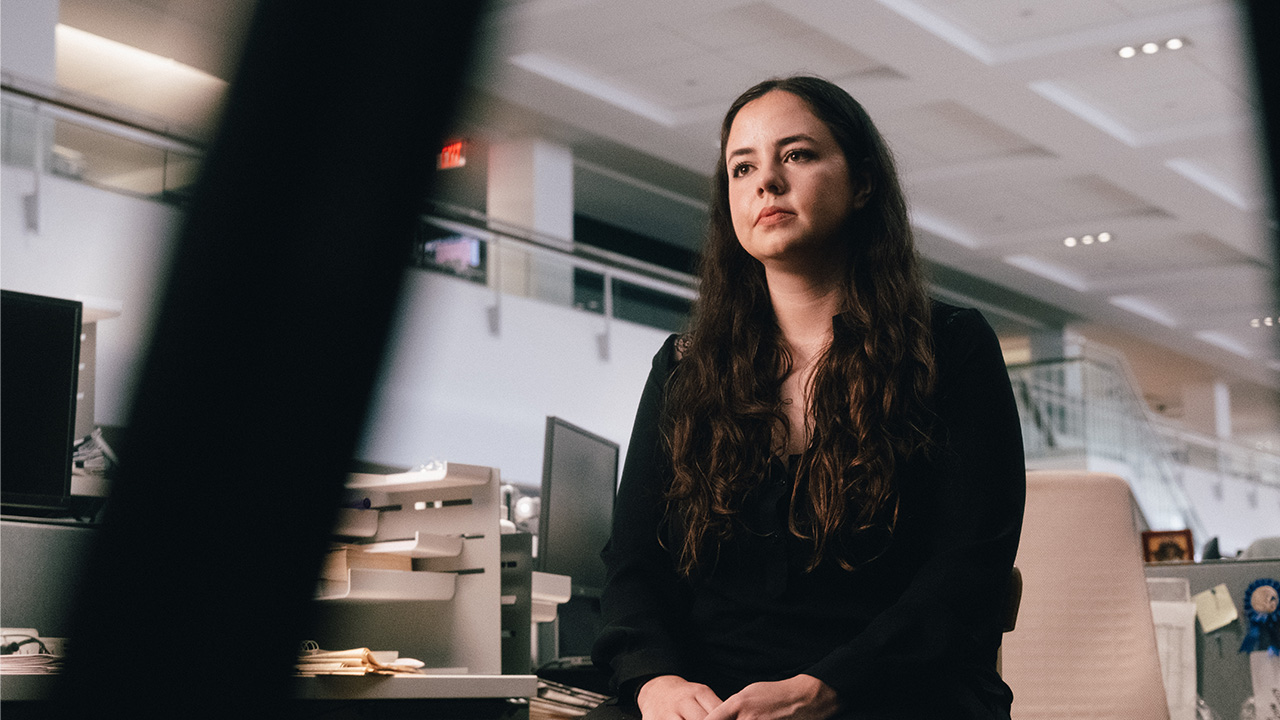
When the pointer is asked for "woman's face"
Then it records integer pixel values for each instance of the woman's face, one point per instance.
(789, 188)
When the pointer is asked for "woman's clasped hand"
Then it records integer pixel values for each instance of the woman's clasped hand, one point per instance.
(669, 697)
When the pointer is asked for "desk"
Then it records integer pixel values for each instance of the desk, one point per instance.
(1222, 672)
(435, 696)
(40, 570)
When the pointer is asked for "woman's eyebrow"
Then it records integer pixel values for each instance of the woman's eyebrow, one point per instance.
(798, 137)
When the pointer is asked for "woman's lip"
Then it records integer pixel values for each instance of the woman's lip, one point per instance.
(772, 214)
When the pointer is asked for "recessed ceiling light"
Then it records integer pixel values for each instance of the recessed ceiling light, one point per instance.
(1174, 43)
(1150, 48)
(1127, 52)
(1104, 237)
(1087, 239)
(1267, 321)
(1069, 242)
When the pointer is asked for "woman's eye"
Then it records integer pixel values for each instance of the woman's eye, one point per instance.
(739, 170)
(795, 155)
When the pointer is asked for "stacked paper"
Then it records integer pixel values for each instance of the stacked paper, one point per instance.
(359, 661)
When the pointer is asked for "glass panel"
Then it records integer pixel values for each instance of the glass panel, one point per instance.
(106, 160)
(19, 135)
(181, 171)
(649, 307)
(588, 291)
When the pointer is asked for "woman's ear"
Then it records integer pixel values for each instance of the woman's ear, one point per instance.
(862, 189)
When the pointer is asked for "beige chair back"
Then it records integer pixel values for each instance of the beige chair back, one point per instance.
(1085, 644)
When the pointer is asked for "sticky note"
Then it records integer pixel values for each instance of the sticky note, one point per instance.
(1215, 608)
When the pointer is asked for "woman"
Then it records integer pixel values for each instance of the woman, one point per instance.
(822, 499)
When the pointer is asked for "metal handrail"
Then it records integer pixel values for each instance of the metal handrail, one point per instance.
(1083, 407)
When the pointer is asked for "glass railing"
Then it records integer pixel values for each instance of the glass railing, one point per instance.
(512, 262)
(52, 137)
(60, 134)
(1086, 412)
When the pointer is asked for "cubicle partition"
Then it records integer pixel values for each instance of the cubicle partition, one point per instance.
(1222, 671)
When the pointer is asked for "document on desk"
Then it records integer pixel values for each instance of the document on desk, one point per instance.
(1176, 641)
(1264, 668)
(357, 661)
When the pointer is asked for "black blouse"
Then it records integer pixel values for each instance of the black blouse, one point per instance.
(914, 630)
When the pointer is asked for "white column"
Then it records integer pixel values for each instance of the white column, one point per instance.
(27, 45)
(530, 188)
(1206, 408)
(1054, 344)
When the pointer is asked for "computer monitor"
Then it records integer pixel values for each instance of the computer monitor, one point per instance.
(579, 481)
(39, 374)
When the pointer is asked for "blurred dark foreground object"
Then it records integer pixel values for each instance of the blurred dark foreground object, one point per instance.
(265, 349)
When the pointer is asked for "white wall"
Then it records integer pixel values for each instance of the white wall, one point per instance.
(451, 390)
(1236, 511)
(454, 391)
(103, 248)
(27, 38)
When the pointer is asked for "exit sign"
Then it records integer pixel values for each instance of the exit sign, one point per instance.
(454, 155)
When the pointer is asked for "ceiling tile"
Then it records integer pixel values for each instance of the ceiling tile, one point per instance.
(1132, 257)
(1091, 197)
(740, 27)
(1154, 96)
(612, 52)
(691, 82)
(946, 132)
(1004, 22)
(809, 52)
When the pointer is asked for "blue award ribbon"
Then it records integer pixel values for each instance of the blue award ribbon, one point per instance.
(1262, 608)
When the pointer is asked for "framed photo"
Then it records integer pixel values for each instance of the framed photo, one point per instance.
(1167, 546)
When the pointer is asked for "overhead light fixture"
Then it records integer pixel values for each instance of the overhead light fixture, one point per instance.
(1151, 47)
(1265, 322)
(1090, 239)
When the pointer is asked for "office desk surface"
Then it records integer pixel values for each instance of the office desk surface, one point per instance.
(420, 686)
(372, 687)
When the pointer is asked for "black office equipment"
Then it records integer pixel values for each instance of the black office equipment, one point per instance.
(579, 481)
(39, 374)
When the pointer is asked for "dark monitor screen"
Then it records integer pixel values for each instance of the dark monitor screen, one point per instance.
(579, 480)
(39, 373)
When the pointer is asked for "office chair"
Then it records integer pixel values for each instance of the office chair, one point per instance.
(1012, 600)
(1085, 644)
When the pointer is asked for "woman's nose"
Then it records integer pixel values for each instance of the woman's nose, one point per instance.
(770, 180)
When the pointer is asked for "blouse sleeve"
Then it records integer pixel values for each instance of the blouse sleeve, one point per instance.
(643, 598)
(950, 612)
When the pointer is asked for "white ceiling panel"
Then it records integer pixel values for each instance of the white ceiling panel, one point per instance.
(612, 52)
(1126, 257)
(678, 84)
(740, 26)
(1155, 97)
(1139, 8)
(809, 52)
(1004, 22)
(947, 133)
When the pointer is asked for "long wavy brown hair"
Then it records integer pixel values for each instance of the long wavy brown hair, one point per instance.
(869, 395)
